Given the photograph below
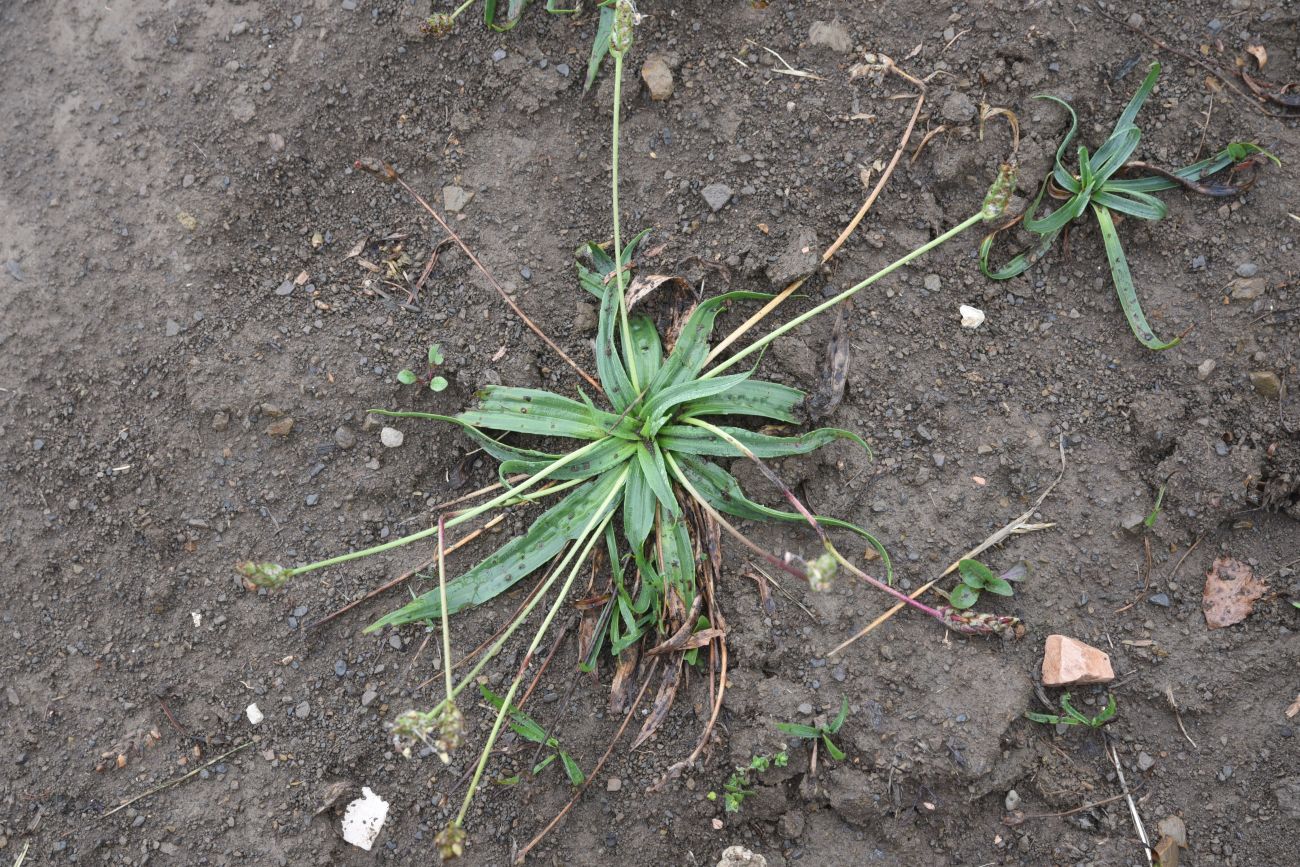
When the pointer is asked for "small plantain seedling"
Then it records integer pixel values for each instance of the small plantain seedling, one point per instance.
(1102, 182)
(976, 578)
(1073, 717)
(736, 789)
(429, 377)
(824, 732)
(529, 729)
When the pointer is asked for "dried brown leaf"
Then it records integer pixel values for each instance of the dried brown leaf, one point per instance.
(1231, 589)
(620, 689)
(830, 385)
(1260, 53)
(668, 683)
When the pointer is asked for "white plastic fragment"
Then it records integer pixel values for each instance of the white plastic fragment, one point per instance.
(254, 714)
(364, 818)
(971, 317)
(197, 618)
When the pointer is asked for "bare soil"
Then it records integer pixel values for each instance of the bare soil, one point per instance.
(168, 166)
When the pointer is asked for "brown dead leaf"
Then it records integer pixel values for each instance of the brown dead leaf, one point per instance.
(1231, 589)
(1259, 53)
(823, 400)
(1294, 708)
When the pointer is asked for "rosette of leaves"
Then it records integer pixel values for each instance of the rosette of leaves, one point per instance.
(1104, 182)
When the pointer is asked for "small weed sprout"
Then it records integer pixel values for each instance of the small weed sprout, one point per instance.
(737, 786)
(976, 578)
(1154, 515)
(824, 732)
(530, 730)
(430, 378)
(1074, 717)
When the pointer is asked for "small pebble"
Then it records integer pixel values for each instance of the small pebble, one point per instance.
(932, 283)
(806, 709)
(1145, 762)
(340, 668)
(313, 499)
(498, 55)
(368, 697)
(344, 438)
(254, 714)
(1205, 368)
(1012, 800)
(172, 328)
(1247, 269)
(285, 288)
(613, 784)
(1161, 599)
(391, 437)
(303, 710)
(563, 69)
(395, 641)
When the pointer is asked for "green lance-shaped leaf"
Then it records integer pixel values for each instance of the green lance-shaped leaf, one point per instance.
(768, 400)
(697, 441)
(1124, 287)
(599, 46)
(692, 346)
(660, 406)
(647, 348)
(516, 559)
(533, 411)
(606, 455)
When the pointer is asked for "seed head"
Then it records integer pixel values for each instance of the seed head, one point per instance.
(999, 194)
(269, 575)
(438, 25)
(821, 573)
(440, 729)
(450, 842)
(625, 19)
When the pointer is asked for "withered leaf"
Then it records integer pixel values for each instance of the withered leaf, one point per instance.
(1231, 589)
(1260, 53)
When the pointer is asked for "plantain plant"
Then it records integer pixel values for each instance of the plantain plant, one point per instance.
(640, 489)
(1101, 183)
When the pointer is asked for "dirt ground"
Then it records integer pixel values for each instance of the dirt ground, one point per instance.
(170, 168)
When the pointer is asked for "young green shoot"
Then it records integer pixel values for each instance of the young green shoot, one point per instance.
(1073, 717)
(530, 730)
(738, 785)
(976, 578)
(823, 731)
(429, 378)
(1154, 515)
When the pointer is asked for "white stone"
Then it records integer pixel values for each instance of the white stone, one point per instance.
(254, 714)
(971, 317)
(364, 819)
(391, 437)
